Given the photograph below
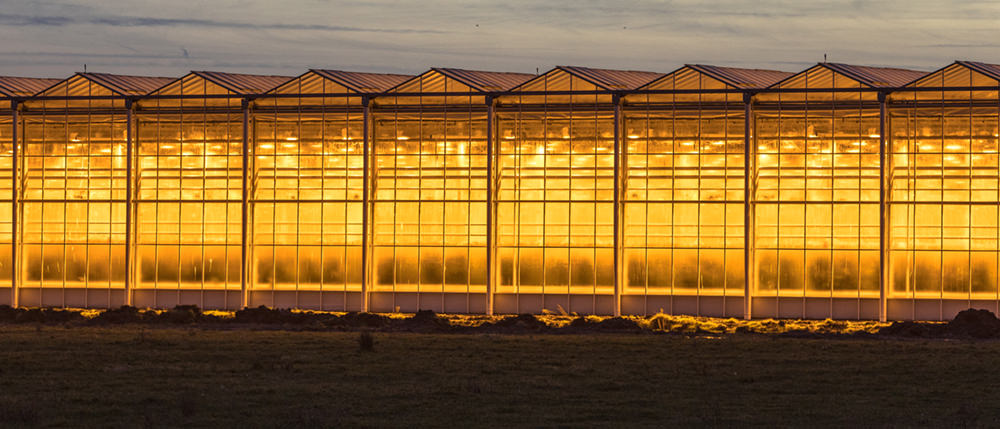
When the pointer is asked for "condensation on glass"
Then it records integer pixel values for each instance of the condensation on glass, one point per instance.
(943, 184)
(307, 199)
(683, 196)
(188, 190)
(816, 189)
(72, 196)
(429, 168)
(555, 199)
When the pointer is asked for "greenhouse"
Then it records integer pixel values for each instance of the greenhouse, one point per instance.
(841, 191)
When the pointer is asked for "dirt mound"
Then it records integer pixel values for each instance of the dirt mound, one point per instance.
(269, 316)
(975, 323)
(971, 323)
(520, 322)
(9, 314)
(120, 315)
(364, 320)
(423, 321)
(613, 324)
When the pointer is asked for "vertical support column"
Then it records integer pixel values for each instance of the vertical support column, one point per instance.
(883, 271)
(365, 203)
(491, 252)
(15, 195)
(245, 212)
(748, 184)
(618, 169)
(129, 210)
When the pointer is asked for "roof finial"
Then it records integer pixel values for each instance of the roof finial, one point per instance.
(84, 67)
(824, 57)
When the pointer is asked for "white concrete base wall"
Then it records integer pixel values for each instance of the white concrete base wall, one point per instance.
(702, 306)
(205, 299)
(476, 303)
(307, 300)
(815, 308)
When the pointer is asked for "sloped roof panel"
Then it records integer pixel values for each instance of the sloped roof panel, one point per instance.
(877, 77)
(364, 82)
(614, 79)
(12, 86)
(742, 78)
(991, 70)
(244, 84)
(128, 85)
(486, 81)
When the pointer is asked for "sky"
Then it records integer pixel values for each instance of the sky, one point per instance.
(55, 38)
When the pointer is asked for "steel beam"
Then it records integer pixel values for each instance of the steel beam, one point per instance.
(883, 222)
(491, 182)
(619, 175)
(366, 229)
(748, 232)
(245, 212)
(15, 190)
(129, 210)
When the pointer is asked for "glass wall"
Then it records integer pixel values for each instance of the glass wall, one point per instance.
(189, 188)
(307, 176)
(683, 190)
(6, 195)
(944, 176)
(429, 223)
(555, 199)
(73, 189)
(816, 191)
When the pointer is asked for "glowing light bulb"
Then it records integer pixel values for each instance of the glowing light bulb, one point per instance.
(267, 146)
(291, 139)
(633, 136)
(953, 147)
(402, 138)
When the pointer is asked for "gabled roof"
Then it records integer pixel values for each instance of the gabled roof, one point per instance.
(878, 77)
(363, 82)
(485, 81)
(874, 77)
(612, 79)
(742, 78)
(991, 70)
(128, 85)
(243, 84)
(119, 84)
(12, 86)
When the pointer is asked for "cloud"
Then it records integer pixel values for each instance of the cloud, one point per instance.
(131, 21)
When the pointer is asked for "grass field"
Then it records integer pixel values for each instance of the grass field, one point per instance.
(141, 376)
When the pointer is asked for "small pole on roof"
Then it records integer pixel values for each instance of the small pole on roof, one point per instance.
(84, 67)
(536, 71)
(824, 57)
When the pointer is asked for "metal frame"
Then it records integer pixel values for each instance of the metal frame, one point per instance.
(620, 170)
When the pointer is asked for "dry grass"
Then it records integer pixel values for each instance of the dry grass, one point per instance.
(127, 376)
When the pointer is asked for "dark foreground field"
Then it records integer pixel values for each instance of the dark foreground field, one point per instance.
(132, 375)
